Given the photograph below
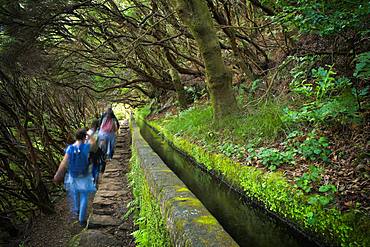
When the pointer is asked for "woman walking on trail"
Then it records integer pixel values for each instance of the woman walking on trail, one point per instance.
(107, 132)
(78, 180)
(96, 157)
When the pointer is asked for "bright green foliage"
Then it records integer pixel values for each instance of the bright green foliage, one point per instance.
(324, 17)
(326, 84)
(143, 112)
(326, 196)
(330, 100)
(151, 230)
(272, 158)
(307, 180)
(230, 150)
(300, 73)
(362, 70)
(314, 147)
(341, 109)
(323, 85)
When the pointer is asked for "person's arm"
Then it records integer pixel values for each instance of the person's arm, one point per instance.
(59, 175)
(92, 141)
(89, 134)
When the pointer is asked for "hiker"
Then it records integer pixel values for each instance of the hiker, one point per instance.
(96, 157)
(107, 132)
(78, 180)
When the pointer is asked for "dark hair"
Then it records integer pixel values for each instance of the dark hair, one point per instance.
(70, 139)
(95, 124)
(110, 113)
(81, 134)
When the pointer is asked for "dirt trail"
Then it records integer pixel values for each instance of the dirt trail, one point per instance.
(109, 202)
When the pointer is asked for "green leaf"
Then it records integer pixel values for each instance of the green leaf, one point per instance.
(324, 200)
(312, 200)
(328, 187)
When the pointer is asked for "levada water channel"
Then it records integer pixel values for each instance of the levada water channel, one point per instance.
(247, 224)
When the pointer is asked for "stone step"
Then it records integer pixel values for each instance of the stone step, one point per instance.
(99, 221)
(101, 202)
(109, 187)
(109, 194)
(113, 169)
(97, 238)
(108, 174)
(103, 211)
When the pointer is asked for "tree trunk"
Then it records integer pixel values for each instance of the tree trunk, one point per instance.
(196, 15)
(181, 94)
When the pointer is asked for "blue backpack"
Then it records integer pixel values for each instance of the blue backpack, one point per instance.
(78, 164)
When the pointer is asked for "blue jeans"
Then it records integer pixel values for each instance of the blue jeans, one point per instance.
(79, 204)
(110, 142)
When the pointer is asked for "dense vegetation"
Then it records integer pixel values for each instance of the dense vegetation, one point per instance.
(287, 83)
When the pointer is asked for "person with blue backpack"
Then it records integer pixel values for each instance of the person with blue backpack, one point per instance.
(78, 180)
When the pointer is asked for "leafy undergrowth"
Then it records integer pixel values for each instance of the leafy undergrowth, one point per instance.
(315, 145)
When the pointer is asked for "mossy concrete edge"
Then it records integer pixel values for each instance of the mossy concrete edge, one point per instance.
(188, 222)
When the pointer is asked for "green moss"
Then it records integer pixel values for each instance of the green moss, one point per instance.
(165, 170)
(188, 201)
(183, 189)
(180, 224)
(143, 112)
(208, 220)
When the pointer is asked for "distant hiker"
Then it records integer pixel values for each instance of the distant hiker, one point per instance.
(107, 132)
(96, 157)
(78, 180)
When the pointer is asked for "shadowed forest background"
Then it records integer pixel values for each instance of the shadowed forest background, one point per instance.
(276, 84)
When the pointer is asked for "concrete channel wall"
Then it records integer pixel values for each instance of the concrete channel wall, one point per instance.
(188, 222)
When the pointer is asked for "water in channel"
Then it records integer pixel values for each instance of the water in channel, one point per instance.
(248, 225)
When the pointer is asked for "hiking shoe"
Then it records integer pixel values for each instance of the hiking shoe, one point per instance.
(83, 224)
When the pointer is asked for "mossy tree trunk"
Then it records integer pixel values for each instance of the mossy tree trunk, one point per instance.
(197, 17)
(180, 91)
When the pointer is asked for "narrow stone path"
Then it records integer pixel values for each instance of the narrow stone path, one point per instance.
(106, 226)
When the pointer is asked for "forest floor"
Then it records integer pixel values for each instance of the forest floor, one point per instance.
(54, 230)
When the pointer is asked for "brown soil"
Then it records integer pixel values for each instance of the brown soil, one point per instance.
(53, 230)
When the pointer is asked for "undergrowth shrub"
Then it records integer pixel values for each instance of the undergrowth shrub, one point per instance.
(272, 158)
(310, 146)
(324, 17)
(148, 217)
(329, 100)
